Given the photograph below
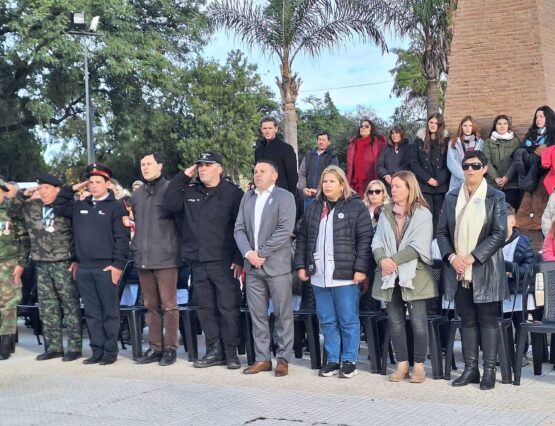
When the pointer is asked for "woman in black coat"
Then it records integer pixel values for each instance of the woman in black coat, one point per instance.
(395, 157)
(474, 268)
(428, 162)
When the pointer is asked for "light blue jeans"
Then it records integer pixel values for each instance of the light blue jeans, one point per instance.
(337, 310)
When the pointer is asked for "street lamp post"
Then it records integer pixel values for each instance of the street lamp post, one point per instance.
(78, 27)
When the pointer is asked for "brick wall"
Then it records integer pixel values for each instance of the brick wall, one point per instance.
(502, 61)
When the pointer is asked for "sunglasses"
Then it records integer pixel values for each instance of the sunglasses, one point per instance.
(365, 126)
(374, 191)
(475, 166)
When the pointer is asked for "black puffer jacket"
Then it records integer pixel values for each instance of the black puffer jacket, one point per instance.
(488, 271)
(352, 238)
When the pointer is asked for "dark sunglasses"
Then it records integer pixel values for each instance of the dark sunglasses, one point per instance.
(365, 126)
(374, 191)
(475, 166)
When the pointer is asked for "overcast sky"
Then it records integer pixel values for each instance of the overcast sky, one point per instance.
(356, 64)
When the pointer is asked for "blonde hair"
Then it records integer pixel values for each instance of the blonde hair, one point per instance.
(341, 178)
(386, 199)
(415, 195)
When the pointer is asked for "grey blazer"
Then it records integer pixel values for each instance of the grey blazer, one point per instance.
(274, 235)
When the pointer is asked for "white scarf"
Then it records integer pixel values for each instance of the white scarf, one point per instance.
(504, 137)
(470, 214)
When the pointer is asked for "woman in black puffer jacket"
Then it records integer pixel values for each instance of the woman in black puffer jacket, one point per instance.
(333, 250)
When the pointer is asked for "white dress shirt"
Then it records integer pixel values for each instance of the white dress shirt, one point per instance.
(261, 199)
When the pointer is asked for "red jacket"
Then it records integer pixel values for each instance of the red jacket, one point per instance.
(548, 248)
(371, 153)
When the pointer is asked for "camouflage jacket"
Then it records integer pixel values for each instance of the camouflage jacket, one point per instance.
(14, 240)
(51, 235)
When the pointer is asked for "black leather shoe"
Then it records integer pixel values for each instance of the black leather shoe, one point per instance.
(231, 358)
(150, 356)
(214, 356)
(49, 355)
(72, 356)
(168, 358)
(108, 359)
(5, 346)
(92, 360)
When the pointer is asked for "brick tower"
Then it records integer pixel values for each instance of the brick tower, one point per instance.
(502, 61)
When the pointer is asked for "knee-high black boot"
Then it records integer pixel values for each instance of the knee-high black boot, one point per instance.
(471, 374)
(489, 338)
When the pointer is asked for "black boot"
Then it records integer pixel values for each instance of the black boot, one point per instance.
(471, 374)
(489, 338)
(5, 346)
(231, 358)
(214, 356)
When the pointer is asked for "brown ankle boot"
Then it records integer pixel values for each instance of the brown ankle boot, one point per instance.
(418, 373)
(401, 373)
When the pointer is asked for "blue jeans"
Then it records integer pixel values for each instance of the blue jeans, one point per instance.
(337, 309)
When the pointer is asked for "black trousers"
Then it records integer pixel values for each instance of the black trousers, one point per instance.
(435, 202)
(100, 299)
(483, 315)
(218, 295)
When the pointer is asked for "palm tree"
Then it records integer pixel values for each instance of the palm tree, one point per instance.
(428, 23)
(288, 28)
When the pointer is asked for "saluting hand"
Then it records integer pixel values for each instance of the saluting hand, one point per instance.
(78, 186)
(190, 171)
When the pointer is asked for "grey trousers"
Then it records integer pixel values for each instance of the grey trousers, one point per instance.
(260, 288)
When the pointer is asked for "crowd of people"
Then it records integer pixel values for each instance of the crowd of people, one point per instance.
(370, 229)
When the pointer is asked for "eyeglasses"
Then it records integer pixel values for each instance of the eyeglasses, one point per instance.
(475, 166)
(374, 191)
(365, 126)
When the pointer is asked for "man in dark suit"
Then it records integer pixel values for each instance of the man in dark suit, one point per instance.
(263, 234)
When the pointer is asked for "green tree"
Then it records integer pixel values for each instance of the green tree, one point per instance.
(135, 61)
(428, 23)
(289, 28)
(224, 106)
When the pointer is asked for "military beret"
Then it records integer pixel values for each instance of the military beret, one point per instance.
(210, 157)
(4, 185)
(49, 178)
(98, 169)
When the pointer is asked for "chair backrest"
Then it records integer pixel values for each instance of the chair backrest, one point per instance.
(547, 271)
(128, 273)
(434, 306)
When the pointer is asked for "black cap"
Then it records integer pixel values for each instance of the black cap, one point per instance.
(49, 179)
(210, 157)
(98, 169)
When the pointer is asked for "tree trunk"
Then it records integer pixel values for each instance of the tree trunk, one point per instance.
(289, 85)
(432, 96)
(290, 125)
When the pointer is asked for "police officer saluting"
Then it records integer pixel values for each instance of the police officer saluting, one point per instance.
(209, 207)
(102, 248)
(53, 251)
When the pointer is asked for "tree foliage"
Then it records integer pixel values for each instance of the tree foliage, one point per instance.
(289, 28)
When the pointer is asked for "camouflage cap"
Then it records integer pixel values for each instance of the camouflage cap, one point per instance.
(4, 185)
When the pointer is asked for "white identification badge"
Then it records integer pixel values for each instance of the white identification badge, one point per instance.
(84, 211)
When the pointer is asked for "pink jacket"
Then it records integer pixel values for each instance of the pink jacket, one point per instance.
(548, 162)
(548, 248)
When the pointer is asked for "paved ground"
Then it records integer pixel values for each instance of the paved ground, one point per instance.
(56, 393)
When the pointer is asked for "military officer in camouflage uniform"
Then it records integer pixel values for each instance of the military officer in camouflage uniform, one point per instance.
(14, 251)
(53, 251)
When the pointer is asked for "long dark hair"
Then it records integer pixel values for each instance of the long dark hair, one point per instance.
(440, 139)
(372, 128)
(549, 126)
(501, 117)
(460, 134)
